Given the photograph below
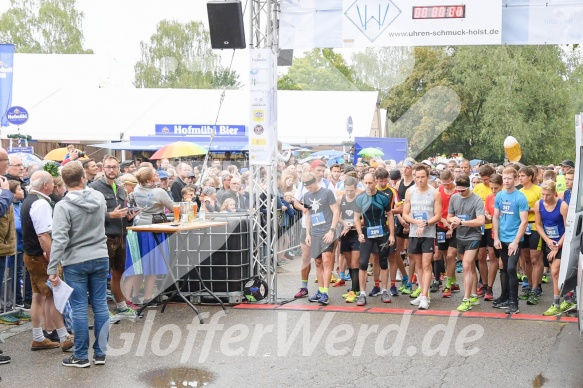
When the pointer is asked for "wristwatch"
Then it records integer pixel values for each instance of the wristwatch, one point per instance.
(333, 230)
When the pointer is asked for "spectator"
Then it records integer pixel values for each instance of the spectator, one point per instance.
(209, 199)
(234, 193)
(90, 169)
(37, 220)
(16, 171)
(229, 206)
(59, 189)
(79, 245)
(226, 187)
(127, 167)
(179, 182)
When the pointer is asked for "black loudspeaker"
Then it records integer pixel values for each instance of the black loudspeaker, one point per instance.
(226, 24)
(285, 57)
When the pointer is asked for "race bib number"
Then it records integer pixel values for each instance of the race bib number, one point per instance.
(374, 231)
(528, 229)
(420, 216)
(463, 217)
(552, 231)
(317, 219)
(440, 237)
(507, 207)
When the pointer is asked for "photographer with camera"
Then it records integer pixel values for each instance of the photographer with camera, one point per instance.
(74, 154)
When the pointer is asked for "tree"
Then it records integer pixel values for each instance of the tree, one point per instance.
(180, 56)
(319, 69)
(43, 27)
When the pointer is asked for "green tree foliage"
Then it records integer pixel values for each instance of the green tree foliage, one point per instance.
(319, 69)
(180, 56)
(521, 91)
(43, 27)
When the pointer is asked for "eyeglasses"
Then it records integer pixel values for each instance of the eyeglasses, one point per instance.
(15, 165)
(446, 183)
(110, 167)
(461, 189)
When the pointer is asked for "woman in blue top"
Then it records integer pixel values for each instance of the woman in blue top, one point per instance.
(550, 218)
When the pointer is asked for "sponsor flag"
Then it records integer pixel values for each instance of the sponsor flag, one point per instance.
(6, 62)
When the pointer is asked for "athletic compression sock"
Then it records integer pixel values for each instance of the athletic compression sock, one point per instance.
(355, 280)
(436, 269)
(305, 283)
(557, 300)
(504, 284)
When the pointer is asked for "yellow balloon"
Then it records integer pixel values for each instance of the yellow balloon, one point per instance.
(512, 149)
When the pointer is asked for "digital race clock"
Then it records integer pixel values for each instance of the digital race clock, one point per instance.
(440, 12)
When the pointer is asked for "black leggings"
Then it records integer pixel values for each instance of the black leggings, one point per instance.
(382, 244)
(509, 267)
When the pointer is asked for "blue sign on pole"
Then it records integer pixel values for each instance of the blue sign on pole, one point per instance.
(6, 68)
(17, 115)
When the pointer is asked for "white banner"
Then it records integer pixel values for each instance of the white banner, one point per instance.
(368, 23)
(263, 107)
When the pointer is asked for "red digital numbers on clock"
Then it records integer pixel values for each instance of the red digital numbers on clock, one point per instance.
(440, 12)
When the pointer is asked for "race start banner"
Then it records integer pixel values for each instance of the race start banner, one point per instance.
(6, 68)
(378, 23)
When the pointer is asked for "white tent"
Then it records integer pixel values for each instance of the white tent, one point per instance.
(69, 100)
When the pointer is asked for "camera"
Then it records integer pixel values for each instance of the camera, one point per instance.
(80, 153)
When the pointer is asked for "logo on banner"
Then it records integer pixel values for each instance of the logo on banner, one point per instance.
(17, 115)
(4, 70)
(372, 17)
(258, 115)
(258, 129)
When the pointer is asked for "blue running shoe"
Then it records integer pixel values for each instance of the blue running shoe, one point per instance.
(323, 299)
(315, 297)
(375, 291)
(394, 291)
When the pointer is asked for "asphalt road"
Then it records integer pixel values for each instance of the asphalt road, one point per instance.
(297, 347)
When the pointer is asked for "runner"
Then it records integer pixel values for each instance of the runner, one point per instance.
(375, 208)
(318, 166)
(466, 215)
(446, 241)
(483, 189)
(551, 219)
(422, 210)
(349, 244)
(495, 185)
(532, 243)
(322, 217)
(566, 195)
(508, 227)
(403, 227)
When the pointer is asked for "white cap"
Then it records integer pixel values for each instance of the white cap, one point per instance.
(427, 162)
(440, 167)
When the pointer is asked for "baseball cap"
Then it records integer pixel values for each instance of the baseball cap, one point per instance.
(440, 167)
(318, 163)
(125, 163)
(427, 162)
(191, 175)
(568, 163)
(163, 174)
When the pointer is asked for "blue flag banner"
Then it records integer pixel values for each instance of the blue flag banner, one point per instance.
(6, 67)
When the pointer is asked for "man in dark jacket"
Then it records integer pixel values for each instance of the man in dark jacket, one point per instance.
(15, 171)
(116, 222)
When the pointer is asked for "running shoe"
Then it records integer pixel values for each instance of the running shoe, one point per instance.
(538, 291)
(458, 267)
(525, 282)
(370, 271)
(512, 309)
(316, 297)
(416, 293)
(434, 286)
(347, 277)
(23, 306)
(132, 305)
(414, 279)
(474, 300)
(525, 294)
(128, 312)
(375, 291)
(98, 360)
(399, 276)
(113, 319)
(407, 290)
(455, 287)
(416, 301)
(346, 295)
(502, 305)
(9, 320)
(303, 292)
(424, 303)
(394, 291)
(489, 295)
(334, 279)
(481, 290)
(532, 299)
(323, 299)
(553, 310)
(385, 298)
(351, 297)
(403, 286)
(405, 279)
(465, 305)
(22, 315)
(545, 279)
(446, 293)
(567, 306)
(361, 300)
(339, 283)
(76, 362)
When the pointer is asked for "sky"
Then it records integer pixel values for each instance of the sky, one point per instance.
(115, 28)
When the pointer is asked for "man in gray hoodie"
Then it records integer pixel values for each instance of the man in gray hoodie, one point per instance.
(79, 245)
